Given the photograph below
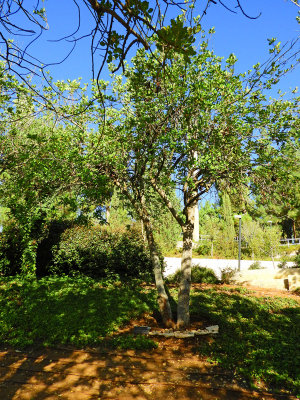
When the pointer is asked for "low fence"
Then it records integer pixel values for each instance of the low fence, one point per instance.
(283, 242)
(289, 242)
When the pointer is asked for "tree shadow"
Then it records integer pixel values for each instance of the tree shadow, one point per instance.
(259, 337)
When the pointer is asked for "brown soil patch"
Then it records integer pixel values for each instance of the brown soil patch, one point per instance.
(172, 371)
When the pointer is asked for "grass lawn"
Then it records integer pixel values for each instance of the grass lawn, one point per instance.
(259, 336)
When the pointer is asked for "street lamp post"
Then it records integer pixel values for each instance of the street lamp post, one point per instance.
(272, 255)
(240, 239)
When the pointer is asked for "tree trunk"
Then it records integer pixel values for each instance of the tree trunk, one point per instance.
(163, 300)
(196, 224)
(183, 306)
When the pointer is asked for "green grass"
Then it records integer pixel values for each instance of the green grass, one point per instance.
(75, 311)
(259, 337)
(258, 340)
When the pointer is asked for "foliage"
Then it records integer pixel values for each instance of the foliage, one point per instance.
(199, 275)
(203, 248)
(258, 337)
(286, 250)
(272, 236)
(281, 197)
(10, 250)
(139, 342)
(42, 160)
(190, 125)
(297, 259)
(255, 265)
(50, 241)
(99, 252)
(114, 30)
(253, 235)
(226, 243)
(61, 310)
(166, 230)
(227, 274)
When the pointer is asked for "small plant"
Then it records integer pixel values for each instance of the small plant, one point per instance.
(227, 274)
(283, 264)
(297, 260)
(256, 265)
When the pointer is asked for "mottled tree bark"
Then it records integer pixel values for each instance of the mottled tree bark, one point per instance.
(163, 300)
(183, 306)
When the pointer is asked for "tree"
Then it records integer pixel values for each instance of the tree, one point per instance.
(109, 153)
(202, 106)
(280, 198)
(40, 159)
(228, 232)
(253, 235)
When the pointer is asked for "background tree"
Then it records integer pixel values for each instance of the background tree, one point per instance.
(40, 171)
(280, 199)
(228, 234)
(253, 235)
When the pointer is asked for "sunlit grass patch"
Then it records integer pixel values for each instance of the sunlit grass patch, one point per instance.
(259, 337)
(66, 310)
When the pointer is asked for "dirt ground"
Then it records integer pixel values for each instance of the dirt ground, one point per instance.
(172, 371)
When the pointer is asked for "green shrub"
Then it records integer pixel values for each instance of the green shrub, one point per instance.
(227, 275)
(203, 275)
(297, 260)
(204, 248)
(10, 251)
(287, 250)
(44, 256)
(100, 252)
(256, 265)
(198, 275)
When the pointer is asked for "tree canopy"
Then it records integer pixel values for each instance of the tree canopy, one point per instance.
(115, 27)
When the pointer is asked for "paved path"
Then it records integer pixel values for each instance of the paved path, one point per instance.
(173, 264)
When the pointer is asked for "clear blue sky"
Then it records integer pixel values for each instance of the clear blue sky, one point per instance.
(235, 33)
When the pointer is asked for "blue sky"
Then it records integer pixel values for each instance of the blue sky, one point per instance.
(235, 33)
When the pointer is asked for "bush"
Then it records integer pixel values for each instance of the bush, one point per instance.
(198, 275)
(204, 248)
(297, 260)
(100, 252)
(44, 256)
(10, 251)
(227, 275)
(203, 275)
(287, 250)
(256, 265)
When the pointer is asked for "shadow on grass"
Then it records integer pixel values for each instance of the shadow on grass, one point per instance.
(259, 337)
(258, 340)
(67, 311)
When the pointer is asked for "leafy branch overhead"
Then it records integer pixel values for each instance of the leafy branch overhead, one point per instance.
(115, 27)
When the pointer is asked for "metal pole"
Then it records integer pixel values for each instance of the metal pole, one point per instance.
(240, 242)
